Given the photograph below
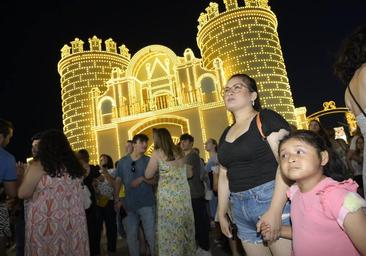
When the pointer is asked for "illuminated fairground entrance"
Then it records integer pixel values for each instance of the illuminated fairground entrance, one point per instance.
(330, 108)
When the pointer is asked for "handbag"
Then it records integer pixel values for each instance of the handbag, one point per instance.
(86, 196)
(102, 201)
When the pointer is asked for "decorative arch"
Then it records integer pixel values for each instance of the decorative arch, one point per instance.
(329, 107)
(206, 75)
(106, 117)
(159, 120)
(138, 60)
(104, 98)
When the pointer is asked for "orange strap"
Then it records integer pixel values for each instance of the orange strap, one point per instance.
(259, 126)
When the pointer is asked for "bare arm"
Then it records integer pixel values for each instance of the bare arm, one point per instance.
(11, 188)
(117, 187)
(286, 231)
(189, 171)
(281, 186)
(355, 226)
(30, 180)
(215, 179)
(223, 201)
(152, 166)
(279, 198)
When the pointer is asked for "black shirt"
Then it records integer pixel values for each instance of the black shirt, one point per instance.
(195, 182)
(249, 159)
(88, 181)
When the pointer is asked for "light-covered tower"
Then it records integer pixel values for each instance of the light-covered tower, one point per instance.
(84, 73)
(246, 40)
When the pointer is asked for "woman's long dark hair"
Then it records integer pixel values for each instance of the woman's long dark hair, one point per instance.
(163, 140)
(252, 87)
(351, 55)
(335, 167)
(56, 155)
(110, 163)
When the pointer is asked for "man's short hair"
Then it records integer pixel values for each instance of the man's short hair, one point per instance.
(84, 154)
(5, 127)
(141, 137)
(186, 136)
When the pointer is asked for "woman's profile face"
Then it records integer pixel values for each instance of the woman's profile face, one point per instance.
(237, 95)
(360, 143)
(314, 126)
(103, 160)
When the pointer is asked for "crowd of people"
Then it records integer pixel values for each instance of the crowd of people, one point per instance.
(266, 185)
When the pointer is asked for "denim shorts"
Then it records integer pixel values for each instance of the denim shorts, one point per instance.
(247, 206)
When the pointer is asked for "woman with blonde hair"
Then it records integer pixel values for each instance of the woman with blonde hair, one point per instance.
(175, 222)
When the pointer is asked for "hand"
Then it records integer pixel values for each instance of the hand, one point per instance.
(225, 226)
(20, 168)
(117, 205)
(265, 230)
(105, 171)
(274, 222)
(136, 182)
(215, 169)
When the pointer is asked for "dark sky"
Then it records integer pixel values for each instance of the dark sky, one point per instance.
(33, 34)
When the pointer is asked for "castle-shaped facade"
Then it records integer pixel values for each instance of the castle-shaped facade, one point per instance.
(108, 96)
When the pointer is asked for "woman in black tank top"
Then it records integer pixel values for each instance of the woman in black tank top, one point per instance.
(249, 174)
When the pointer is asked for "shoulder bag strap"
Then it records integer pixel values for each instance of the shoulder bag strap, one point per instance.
(259, 126)
(354, 99)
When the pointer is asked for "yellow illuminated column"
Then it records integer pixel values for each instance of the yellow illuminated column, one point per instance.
(246, 40)
(82, 71)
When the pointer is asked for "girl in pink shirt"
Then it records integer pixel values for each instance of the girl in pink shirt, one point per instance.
(327, 216)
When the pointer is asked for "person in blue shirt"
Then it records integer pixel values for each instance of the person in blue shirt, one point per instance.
(139, 201)
(8, 180)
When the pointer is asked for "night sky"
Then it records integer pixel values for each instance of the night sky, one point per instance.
(32, 35)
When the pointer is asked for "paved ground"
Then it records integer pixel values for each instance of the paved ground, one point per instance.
(122, 250)
(216, 249)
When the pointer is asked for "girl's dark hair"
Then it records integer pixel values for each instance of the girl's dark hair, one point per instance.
(352, 55)
(109, 160)
(56, 155)
(163, 140)
(252, 87)
(335, 167)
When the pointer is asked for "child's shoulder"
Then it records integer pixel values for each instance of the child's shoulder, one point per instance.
(292, 191)
(340, 198)
(332, 190)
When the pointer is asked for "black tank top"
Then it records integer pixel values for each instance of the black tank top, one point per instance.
(249, 160)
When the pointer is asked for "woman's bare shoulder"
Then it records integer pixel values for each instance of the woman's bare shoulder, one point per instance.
(36, 166)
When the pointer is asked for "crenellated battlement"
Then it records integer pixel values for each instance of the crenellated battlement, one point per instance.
(212, 10)
(95, 45)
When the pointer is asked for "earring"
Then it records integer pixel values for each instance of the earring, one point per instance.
(252, 102)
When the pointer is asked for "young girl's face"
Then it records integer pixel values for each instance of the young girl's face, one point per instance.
(300, 160)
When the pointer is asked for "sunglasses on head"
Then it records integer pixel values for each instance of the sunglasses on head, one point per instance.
(133, 169)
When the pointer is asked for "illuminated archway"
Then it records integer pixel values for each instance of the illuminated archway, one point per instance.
(329, 108)
(181, 122)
